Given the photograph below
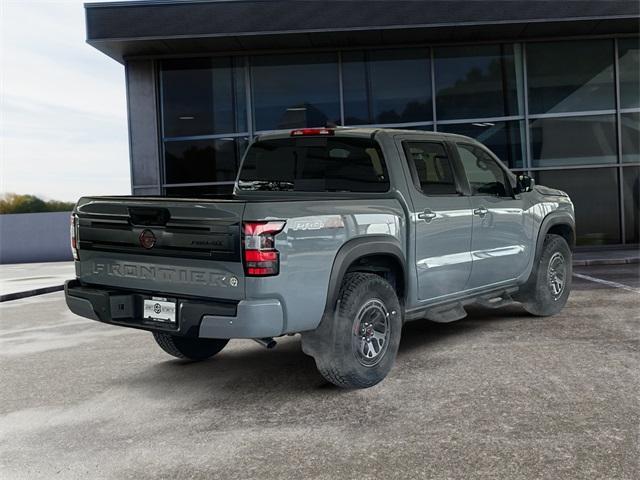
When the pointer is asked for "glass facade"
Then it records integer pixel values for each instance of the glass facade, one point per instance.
(567, 112)
(478, 81)
(584, 140)
(630, 134)
(570, 76)
(597, 223)
(295, 90)
(631, 199)
(629, 65)
(386, 86)
(202, 96)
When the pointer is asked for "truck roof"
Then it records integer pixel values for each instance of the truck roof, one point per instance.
(360, 132)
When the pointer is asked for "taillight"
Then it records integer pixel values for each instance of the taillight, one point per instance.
(73, 235)
(261, 259)
(300, 132)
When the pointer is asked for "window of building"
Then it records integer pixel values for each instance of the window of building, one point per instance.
(386, 86)
(202, 96)
(431, 167)
(631, 192)
(629, 65)
(595, 195)
(585, 140)
(200, 161)
(315, 164)
(570, 76)
(630, 130)
(291, 91)
(504, 139)
(478, 81)
(484, 174)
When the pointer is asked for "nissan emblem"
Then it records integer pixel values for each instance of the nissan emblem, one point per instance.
(147, 239)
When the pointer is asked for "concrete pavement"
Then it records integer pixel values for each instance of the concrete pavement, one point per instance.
(497, 395)
(26, 279)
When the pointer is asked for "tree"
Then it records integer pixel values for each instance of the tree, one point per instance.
(15, 203)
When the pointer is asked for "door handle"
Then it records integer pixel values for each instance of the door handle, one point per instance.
(427, 215)
(481, 212)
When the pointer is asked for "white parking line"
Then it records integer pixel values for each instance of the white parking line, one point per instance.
(607, 282)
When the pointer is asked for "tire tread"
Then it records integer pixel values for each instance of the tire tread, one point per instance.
(330, 367)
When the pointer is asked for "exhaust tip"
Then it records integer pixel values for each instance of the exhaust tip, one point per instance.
(267, 342)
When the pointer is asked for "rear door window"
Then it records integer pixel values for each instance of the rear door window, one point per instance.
(315, 164)
(431, 168)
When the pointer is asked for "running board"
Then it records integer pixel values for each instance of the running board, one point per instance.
(447, 314)
(495, 302)
(454, 310)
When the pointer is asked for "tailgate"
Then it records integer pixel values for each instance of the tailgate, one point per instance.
(179, 247)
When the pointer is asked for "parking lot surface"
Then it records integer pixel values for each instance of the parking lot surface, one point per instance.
(500, 394)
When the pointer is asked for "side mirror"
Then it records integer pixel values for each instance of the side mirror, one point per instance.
(524, 183)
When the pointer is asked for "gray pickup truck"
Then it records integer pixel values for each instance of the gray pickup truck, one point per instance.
(341, 235)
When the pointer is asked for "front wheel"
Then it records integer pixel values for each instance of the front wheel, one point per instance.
(189, 348)
(360, 343)
(548, 289)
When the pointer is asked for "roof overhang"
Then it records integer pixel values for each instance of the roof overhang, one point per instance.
(158, 28)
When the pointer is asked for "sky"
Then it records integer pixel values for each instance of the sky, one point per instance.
(63, 123)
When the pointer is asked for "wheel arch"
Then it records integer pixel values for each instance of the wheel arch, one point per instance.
(379, 254)
(561, 224)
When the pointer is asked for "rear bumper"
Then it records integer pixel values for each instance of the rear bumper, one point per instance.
(203, 319)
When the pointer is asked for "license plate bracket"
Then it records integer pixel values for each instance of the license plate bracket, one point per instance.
(159, 309)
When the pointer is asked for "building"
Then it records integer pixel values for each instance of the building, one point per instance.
(552, 87)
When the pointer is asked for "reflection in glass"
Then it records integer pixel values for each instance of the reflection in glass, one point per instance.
(629, 65)
(584, 140)
(386, 86)
(196, 161)
(200, 191)
(595, 196)
(202, 96)
(630, 129)
(631, 190)
(478, 81)
(291, 91)
(570, 76)
(505, 139)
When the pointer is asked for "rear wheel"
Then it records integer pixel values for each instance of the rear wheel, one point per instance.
(548, 289)
(189, 348)
(359, 345)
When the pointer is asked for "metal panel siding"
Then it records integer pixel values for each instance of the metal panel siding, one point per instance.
(143, 124)
(220, 18)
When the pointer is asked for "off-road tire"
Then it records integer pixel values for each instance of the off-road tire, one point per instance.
(195, 349)
(337, 357)
(537, 296)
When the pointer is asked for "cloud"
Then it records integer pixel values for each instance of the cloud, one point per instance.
(63, 128)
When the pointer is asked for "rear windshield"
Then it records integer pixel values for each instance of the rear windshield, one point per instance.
(315, 164)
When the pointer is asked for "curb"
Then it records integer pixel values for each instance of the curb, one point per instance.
(606, 261)
(30, 293)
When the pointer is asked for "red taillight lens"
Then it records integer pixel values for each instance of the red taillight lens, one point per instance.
(73, 235)
(312, 131)
(261, 259)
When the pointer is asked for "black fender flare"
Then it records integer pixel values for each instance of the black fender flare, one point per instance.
(314, 341)
(357, 248)
(554, 218)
